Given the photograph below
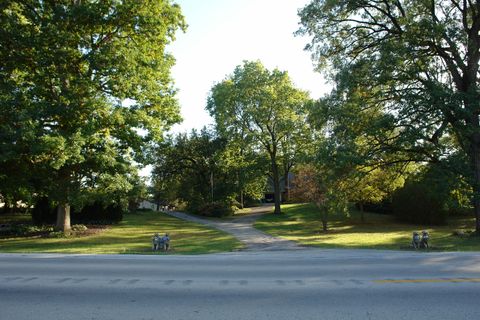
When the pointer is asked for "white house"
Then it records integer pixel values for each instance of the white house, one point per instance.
(147, 205)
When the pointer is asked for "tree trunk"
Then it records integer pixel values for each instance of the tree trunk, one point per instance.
(286, 185)
(241, 186)
(241, 199)
(324, 214)
(7, 208)
(476, 183)
(276, 186)
(211, 184)
(362, 211)
(324, 220)
(63, 217)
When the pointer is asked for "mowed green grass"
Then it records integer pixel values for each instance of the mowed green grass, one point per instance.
(301, 223)
(132, 236)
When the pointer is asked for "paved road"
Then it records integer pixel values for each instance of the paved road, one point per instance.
(242, 228)
(296, 284)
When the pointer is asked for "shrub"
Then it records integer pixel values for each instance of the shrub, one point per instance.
(57, 234)
(44, 212)
(25, 230)
(383, 207)
(417, 203)
(196, 204)
(215, 209)
(79, 227)
(249, 202)
(98, 213)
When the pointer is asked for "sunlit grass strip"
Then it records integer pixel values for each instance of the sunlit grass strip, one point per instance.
(132, 236)
(301, 223)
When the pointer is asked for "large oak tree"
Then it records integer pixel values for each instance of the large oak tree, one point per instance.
(67, 68)
(418, 61)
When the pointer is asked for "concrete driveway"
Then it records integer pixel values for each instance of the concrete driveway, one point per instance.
(242, 228)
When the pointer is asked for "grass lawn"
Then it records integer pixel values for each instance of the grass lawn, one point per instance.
(132, 236)
(301, 223)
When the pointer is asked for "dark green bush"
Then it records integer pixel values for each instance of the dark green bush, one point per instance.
(25, 230)
(98, 213)
(215, 209)
(417, 203)
(383, 207)
(44, 212)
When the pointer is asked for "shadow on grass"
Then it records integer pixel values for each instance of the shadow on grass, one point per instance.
(133, 235)
(301, 223)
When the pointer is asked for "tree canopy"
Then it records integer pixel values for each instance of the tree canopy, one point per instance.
(417, 62)
(266, 108)
(85, 90)
(201, 169)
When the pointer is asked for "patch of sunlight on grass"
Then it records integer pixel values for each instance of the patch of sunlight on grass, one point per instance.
(301, 223)
(132, 236)
(243, 211)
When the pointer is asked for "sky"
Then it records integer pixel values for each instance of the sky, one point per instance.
(221, 34)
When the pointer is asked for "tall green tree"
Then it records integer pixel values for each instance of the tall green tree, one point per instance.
(68, 67)
(265, 105)
(418, 59)
(247, 166)
(350, 150)
(195, 169)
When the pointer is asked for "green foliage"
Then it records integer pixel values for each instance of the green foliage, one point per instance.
(430, 196)
(406, 81)
(452, 188)
(320, 185)
(374, 185)
(216, 209)
(261, 110)
(58, 235)
(416, 203)
(99, 213)
(200, 169)
(20, 229)
(85, 91)
(247, 166)
(44, 212)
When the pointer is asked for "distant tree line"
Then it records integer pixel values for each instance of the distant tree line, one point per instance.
(400, 130)
(86, 95)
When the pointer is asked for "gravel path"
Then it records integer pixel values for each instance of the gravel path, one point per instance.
(242, 229)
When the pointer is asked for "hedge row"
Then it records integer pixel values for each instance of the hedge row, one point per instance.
(45, 212)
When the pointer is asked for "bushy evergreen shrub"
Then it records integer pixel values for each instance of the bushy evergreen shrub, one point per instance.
(417, 203)
(215, 209)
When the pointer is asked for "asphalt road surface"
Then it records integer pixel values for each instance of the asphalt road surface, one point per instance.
(295, 284)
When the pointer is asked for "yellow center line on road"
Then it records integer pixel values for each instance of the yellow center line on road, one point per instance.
(442, 280)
